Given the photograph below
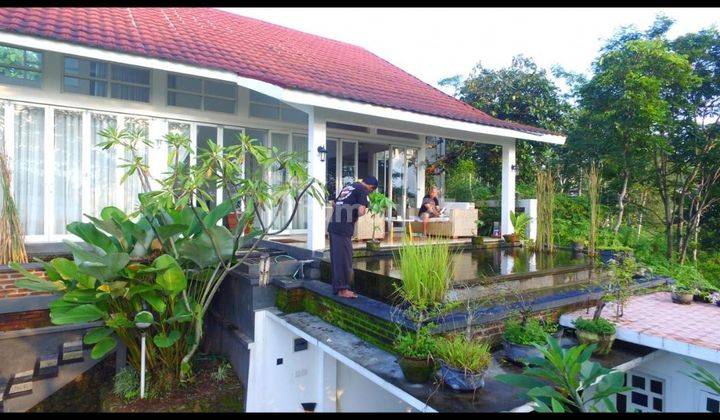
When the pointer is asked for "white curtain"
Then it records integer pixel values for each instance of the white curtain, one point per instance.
(132, 185)
(28, 168)
(102, 166)
(282, 143)
(68, 169)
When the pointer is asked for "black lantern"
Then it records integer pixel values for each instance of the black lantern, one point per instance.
(323, 153)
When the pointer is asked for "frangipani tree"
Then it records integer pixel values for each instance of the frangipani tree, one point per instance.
(172, 254)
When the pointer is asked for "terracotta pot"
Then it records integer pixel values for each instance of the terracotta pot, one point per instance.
(682, 298)
(460, 380)
(604, 342)
(416, 371)
(231, 220)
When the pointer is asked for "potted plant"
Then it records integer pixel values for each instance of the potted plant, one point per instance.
(519, 223)
(415, 354)
(379, 204)
(478, 239)
(520, 336)
(609, 253)
(682, 293)
(463, 362)
(578, 244)
(714, 298)
(598, 331)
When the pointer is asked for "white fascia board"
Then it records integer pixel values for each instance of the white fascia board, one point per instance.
(304, 101)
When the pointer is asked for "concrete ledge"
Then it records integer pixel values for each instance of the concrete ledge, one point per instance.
(28, 332)
(26, 303)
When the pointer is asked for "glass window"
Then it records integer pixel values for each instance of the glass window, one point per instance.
(263, 106)
(28, 168)
(205, 135)
(20, 67)
(132, 185)
(712, 404)
(198, 93)
(68, 176)
(90, 77)
(299, 147)
(102, 165)
(646, 394)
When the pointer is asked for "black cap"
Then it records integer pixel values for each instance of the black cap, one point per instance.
(371, 180)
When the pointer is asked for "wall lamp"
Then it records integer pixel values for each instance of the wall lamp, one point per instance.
(513, 168)
(323, 153)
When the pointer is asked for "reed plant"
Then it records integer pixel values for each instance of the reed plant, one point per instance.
(12, 246)
(545, 190)
(426, 272)
(593, 195)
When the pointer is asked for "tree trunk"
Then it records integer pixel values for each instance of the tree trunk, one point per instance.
(621, 202)
(643, 199)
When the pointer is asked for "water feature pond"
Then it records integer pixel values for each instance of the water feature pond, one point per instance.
(483, 273)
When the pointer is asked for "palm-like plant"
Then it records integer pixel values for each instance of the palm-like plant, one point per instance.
(379, 204)
(565, 380)
(519, 222)
(703, 376)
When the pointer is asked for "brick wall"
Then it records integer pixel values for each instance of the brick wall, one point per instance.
(22, 320)
(8, 288)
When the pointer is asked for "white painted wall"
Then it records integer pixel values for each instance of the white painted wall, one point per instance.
(682, 394)
(317, 374)
(507, 195)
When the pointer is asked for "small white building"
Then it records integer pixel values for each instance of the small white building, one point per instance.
(68, 73)
(681, 333)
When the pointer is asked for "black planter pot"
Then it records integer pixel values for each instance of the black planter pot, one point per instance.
(416, 371)
(607, 255)
(461, 381)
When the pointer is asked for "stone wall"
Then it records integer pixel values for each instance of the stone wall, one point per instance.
(8, 277)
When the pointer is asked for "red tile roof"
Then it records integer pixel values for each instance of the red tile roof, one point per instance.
(250, 48)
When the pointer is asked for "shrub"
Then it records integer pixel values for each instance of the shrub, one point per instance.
(415, 344)
(222, 372)
(426, 271)
(532, 331)
(460, 353)
(600, 326)
(127, 384)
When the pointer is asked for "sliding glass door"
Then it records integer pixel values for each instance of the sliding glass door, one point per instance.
(341, 165)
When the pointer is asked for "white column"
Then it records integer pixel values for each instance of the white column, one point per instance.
(421, 166)
(507, 203)
(316, 168)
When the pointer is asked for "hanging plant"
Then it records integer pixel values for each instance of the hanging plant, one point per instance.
(12, 246)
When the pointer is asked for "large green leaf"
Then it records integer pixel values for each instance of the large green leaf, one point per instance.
(217, 213)
(173, 279)
(155, 300)
(161, 340)
(119, 320)
(180, 313)
(168, 231)
(103, 347)
(96, 334)
(200, 248)
(33, 282)
(81, 296)
(77, 315)
(98, 264)
(92, 235)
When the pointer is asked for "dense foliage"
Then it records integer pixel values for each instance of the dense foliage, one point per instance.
(528, 332)
(458, 352)
(600, 326)
(565, 380)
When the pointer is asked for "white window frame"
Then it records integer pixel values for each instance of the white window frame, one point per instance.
(24, 82)
(631, 407)
(201, 94)
(109, 80)
(704, 397)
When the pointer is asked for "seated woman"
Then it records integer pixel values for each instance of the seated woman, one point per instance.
(430, 207)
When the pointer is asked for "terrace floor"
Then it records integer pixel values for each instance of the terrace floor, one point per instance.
(654, 320)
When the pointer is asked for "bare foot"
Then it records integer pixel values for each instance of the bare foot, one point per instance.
(347, 294)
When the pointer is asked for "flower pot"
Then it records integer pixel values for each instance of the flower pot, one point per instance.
(682, 298)
(460, 380)
(606, 255)
(520, 353)
(578, 246)
(416, 371)
(372, 245)
(510, 238)
(477, 240)
(232, 220)
(604, 342)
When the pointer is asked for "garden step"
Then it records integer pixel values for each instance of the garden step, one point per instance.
(72, 352)
(21, 384)
(46, 366)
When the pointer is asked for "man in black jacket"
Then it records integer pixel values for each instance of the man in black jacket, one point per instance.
(350, 204)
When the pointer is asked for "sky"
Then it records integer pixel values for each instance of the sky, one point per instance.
(435, 43)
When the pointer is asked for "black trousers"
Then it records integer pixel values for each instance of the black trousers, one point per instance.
(340, 261)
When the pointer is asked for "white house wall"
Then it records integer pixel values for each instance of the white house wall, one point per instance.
(682, 394)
